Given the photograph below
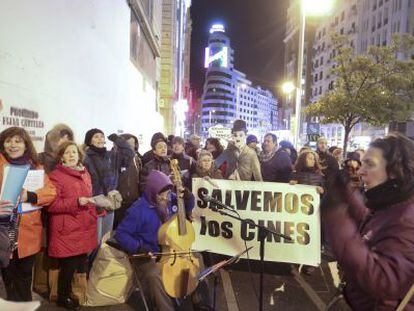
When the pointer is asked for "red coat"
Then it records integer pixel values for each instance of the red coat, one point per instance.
(72, 228)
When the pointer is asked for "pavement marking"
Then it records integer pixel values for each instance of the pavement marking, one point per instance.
(309, 291)
(277, 289)
(333, 268)
(228, 291)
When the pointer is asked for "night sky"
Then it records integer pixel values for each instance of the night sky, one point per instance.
(256, 29)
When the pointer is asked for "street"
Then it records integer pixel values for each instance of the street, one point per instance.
(238, 289)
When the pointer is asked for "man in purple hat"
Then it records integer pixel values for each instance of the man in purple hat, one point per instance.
(138, 233)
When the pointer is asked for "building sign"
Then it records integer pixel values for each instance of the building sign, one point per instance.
(292, 210)
(219, 131)
(313, 128)
(28, 119)
(217, 56)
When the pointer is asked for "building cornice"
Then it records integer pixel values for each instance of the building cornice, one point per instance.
(139, 12)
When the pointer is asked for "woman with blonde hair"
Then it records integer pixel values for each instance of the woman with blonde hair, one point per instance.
(205, 166)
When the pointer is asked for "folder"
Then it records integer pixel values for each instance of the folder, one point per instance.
(13, 180)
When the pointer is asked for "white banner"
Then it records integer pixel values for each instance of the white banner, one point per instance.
(292, 210)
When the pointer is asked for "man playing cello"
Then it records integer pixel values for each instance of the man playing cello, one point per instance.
(138, 233)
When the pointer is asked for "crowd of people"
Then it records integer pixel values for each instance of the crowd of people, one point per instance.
(90, 192)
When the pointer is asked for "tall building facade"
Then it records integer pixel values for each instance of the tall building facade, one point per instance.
(366, 22)
(229, 95)
(109, 81)
(175, 64)
(291, 41)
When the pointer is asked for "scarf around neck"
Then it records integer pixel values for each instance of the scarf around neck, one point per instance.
(23, 160)
(264, 157)
(387, 194)
(100, 151)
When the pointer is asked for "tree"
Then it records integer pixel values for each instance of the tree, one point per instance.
(376, 87)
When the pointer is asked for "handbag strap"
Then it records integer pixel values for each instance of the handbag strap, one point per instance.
(104, 188)
(406, 299)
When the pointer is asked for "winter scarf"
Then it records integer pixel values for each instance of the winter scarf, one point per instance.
(387, 194)
(264, 156)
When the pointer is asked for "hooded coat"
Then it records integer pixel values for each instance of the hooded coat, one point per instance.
(48, 157)
(138, 232)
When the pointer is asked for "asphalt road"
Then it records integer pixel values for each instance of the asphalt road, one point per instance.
(238, 289)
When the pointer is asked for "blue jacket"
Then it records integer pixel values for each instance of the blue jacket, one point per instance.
(138, 231)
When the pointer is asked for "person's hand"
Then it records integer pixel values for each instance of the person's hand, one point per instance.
(6, 207)
(180, 191)
(320, 190)
(23, 196)
(293, 182)
(84, 201)
(190, 217)
(206, 177)
(151, 255)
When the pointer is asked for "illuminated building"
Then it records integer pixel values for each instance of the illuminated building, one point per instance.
(175, 62)
(229, 95)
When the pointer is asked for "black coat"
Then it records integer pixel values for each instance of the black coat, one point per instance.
(330, 165)
(158, 164)
(278, 168)
(309, 178)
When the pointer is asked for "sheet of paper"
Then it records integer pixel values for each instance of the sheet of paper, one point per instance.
(33, 182)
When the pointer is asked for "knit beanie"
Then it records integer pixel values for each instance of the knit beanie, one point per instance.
(89, 134)
(251, 139)
(156, 138)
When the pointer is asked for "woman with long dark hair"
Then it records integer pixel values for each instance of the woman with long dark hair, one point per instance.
(25, 229)
(373, 240)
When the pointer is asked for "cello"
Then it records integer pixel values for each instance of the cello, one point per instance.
(179, 270)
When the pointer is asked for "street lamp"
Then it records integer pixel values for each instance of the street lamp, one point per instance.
(314, 8)
(209, 115)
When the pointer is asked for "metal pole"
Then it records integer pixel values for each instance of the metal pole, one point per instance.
(301, 49)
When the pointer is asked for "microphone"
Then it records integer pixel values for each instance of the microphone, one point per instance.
(220, 204)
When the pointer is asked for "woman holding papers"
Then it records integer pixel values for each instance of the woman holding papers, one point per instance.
(25, 226)
(72, 219)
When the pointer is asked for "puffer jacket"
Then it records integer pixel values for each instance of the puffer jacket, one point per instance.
(72, 227)
(30, 224)
(375, 249)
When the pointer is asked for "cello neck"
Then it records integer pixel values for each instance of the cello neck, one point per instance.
(182, 229)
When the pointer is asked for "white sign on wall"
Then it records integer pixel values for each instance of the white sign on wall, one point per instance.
(292, 210)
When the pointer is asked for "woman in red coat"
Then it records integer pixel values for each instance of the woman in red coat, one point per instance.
(72, 219)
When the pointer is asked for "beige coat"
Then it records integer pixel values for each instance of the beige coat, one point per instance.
(249, 165)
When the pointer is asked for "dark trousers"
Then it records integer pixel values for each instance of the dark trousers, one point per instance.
(149, 275)
(17, 278)
(68, 266)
